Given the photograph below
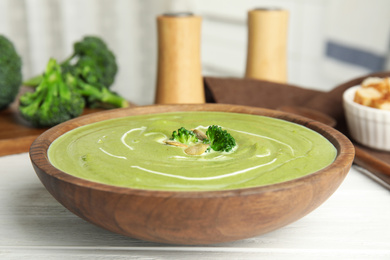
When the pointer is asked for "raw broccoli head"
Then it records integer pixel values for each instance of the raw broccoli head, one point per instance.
(10, 72)
(96, 95)
(91, 59)
(184, 136)
(86, 77)
(219, 140)
(53, 102)
(91, 70)
(93, 52)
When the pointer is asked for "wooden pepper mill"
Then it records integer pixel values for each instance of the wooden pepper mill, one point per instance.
(179, 72)
(267, 45)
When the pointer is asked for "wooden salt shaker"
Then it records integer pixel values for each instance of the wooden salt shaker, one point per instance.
(267, 45)
(179, 72)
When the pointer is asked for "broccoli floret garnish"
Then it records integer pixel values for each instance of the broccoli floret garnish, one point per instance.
(92, 68)
(216, 138)
(53, 102)
(219, 140)
(10, 72)
(184, 136)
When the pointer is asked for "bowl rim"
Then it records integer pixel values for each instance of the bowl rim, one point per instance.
(39, 148)
(348, 97)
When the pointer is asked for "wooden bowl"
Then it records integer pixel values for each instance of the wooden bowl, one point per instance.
(181, 217)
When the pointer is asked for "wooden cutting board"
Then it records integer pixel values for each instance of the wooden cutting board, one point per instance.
(16, 134)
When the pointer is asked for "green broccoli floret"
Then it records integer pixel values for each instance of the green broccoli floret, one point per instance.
(92, 68)
(53, 102)
(95, 95)
(10, 72)
(219, 140)
(104, 68)
(184, 136)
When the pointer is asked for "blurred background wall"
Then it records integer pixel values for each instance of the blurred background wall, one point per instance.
(329, 41)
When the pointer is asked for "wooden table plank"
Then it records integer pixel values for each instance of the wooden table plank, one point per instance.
(352, 224)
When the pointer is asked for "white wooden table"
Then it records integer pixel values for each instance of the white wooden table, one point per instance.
(353, 224)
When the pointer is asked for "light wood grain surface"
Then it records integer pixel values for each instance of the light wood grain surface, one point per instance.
(352, 224)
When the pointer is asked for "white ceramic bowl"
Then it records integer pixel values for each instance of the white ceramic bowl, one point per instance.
(367, 126)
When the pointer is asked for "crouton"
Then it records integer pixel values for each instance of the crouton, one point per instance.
(365, 96)
(374, 92)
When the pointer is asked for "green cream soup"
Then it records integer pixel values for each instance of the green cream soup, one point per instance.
(130, 152)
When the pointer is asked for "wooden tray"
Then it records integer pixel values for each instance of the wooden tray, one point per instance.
(16, 134)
